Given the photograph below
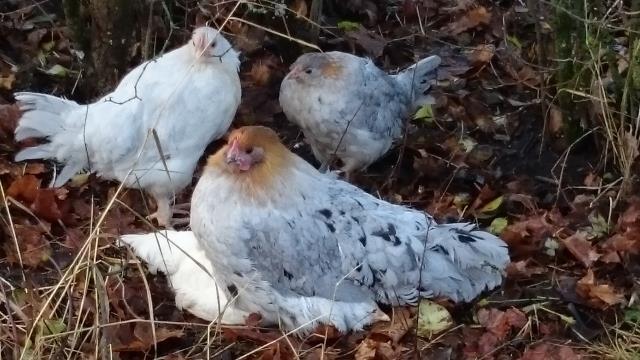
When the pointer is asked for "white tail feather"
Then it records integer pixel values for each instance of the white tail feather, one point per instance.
(179, 256)
(47, 116)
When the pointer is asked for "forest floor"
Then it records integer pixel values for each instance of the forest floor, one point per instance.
(491, 150)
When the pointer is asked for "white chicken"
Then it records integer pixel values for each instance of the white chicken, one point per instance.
(151, 130)
(180, 257)
(301, 247)
(349, 108)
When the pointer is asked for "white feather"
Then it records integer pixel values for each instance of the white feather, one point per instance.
(187, 98)
(178, 255)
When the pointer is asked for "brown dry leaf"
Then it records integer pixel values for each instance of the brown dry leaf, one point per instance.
(401, 322)
(522, 269)
(370, 349)
(500, 322)
(598, 295)
(528, 76)
(460, 5)
(24, 188)
(272, 352)
(581, 248)
(370, 42)
(498, 325)
(34, 247)
(527, 236)
(366, 350)
(300, 8)
(260, 74)
(556, 121)
(625, 242)
(143, 332)
(475, 17)
(546, 351)
(35, 168)
(46, 205)
(481, 54)
(6, 82)
(630, 218)
(138, 337)
(485, 196)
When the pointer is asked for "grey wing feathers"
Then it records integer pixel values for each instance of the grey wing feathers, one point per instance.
(383, 102)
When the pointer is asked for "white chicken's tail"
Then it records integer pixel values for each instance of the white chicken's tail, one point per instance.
(179, 255)
(417, 79)
(166, 250)
(47, 116)
(461, 261)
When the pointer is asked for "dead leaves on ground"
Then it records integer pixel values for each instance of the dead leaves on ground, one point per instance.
(475, 17)
(549, 351)
(498, 325)
(598, 294)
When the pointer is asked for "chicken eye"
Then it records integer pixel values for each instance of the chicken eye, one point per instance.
(308, 71)
(249, 150)
(213, 44)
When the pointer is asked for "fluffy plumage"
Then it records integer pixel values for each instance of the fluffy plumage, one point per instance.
(347, 106)
(302, 247)
(179, 256)
(189, 96)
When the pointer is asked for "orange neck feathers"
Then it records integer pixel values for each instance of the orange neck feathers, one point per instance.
(272, 158)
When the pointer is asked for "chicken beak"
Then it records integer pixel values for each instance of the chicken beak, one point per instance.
(295, 72)
(237, 157)
(200, 42)
(233, 152)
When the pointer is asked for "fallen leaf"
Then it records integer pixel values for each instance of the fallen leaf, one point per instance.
(528, 235)
(433, 318)
(34, 247)
(9, 116)
(51, 326)
(547, 351)
(46, 205)
(556, 121)
(529, 76)
(401, 322)
(366, 350)
(581, 248)
(492, 205)
(498, 225)
(34, 168)
(139, 337)
(300, 8)
(598, 295)
(370, 349)
(24, 188)
(481, 54)
(372, 43)
(475, 17)
(144, 333)
(57, 70)
(348, 25)
(500, 322)
(7, 81)
(260, 73)
(522, 269)
(425, 113)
